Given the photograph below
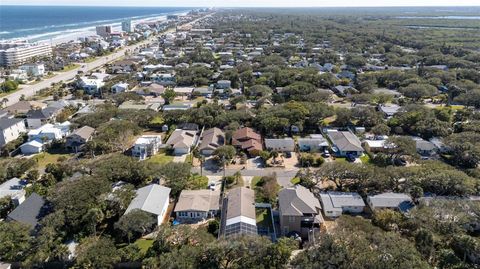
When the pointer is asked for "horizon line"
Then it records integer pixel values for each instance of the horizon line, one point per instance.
(292, 7)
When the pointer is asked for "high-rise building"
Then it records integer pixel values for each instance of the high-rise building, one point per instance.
(127, 26)
(104, 30)
(15, 53)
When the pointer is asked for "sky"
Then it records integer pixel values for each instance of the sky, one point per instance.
(246, 3)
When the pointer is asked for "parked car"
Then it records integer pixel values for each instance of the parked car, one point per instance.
(326, 153)
(351, 158)
(288, 154)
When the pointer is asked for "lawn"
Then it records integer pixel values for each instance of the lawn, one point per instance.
(365, 158)
(161, 158)
(45, 158)
(189, 159)
(69, 67)
(340, 159)
(263, 217)
(295, 180)
(254, 181)
(144, 244)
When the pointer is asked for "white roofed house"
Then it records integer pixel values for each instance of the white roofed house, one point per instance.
(10, 129)
(314, 143)
(395, 201)
(197, 205)
(14, 188)
(91, 85)
(146, 146)
(119, 87)
(153, 199)
(345, 143)
(334, 204)
(280, 145)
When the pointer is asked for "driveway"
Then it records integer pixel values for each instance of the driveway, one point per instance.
(180, 159)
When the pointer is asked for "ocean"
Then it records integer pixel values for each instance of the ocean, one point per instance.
(39, 23)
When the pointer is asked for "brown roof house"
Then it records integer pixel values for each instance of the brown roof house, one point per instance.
(22, 107)
(247, 139)
(77, 139)
(197, 205)
(211, 140)
(299, 210)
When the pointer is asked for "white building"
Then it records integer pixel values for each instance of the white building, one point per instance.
(146, 146)
(49, 132)
(14, 188)
(15, 53)
(153, 199)
(31, 147)
(91, 85)
(34, 70)
(334, 204)
(120, 87)
(127, 26)
(10, 129)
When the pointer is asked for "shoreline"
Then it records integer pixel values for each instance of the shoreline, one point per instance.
(69, 35)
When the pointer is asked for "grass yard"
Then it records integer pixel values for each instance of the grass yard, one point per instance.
(365, 158)
(144, 244)
(340, 159)
(69, 67)
(254, 181)
(161, 158)
(263, 217)
(295, 180)
(45, 158)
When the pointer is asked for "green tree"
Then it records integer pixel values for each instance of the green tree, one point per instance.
(14, 241)
(96, 252)
(135, 223)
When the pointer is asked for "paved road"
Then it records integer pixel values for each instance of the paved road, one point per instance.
(30, 90)
(283, 175)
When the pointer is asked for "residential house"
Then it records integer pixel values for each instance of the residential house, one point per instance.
(119, 87)
(425, 148)
(39, 117)
(280, 145)
(247, 139)
(395, 201)
(211, 139)
(183, 91)
(334, 204)
(153, 89)
(153, 199)
(91, 85)
(389, 110)
(34, 70)
(344, 91)
(239, 216)
(123, 66)
(224, 84)
(314, 143)
(345, 143)
(14, 188)
(49, 132)
(79, 137)
(30, 212)
(32, 147)
(22, 107)
(146, 146)
(140, 105)
(10, 129)
(176, 107)
(197, 205)
(181, 141)
(164, 79)
(299, 211)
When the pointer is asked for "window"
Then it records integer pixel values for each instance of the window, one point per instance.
(291, 218)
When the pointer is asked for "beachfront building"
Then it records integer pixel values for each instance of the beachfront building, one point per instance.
(127, 26)
(15, 53)
(103, 30)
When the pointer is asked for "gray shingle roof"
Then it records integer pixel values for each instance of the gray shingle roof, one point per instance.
(198, 200)
(151, 198)
(297, 201)
(7, 123)
(241, 202)
(334, 201)
(389, 200)
(30, 212)
(345, 140)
